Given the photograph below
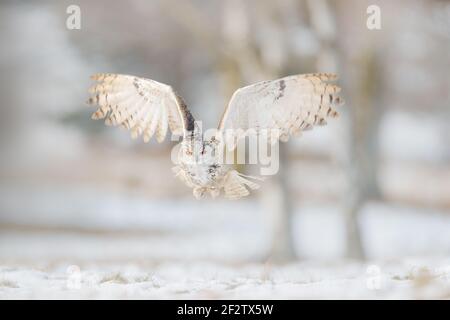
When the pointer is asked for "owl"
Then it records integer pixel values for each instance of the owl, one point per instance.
(149, 108)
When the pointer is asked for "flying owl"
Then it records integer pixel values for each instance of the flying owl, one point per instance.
(146, 107)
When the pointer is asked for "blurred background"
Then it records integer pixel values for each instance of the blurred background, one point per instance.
(373, 184)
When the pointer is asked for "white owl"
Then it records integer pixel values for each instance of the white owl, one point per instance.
(147, 107)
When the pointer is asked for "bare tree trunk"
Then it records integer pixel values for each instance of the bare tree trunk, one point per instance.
(278, 208)
(239, 62)
(276, 200)
(363, 151)
(324, 24)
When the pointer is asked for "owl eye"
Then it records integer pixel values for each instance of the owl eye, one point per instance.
(189, 153)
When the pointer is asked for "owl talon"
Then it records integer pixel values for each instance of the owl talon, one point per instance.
(199, 193)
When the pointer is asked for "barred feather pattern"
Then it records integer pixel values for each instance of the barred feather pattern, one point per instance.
(143, 106)
(290, 105)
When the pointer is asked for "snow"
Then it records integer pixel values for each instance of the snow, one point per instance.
(182, 249)
(207, 280)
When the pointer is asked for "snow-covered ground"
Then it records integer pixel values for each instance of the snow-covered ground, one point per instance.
(183, 249)
(394, 279)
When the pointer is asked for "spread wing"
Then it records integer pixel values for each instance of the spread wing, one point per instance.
(143, 106)
(289, 104)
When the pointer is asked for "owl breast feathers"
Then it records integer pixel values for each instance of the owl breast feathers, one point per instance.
(146, 107)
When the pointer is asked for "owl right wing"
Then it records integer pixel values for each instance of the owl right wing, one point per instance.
(283, 106)
(143, 106)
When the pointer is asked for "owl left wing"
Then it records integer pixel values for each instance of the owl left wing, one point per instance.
(289, 105)
(143, 106)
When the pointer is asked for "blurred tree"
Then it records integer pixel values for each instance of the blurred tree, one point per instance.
(242, 57)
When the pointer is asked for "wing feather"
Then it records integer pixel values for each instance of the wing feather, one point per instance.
(290, 105)
(143, 106)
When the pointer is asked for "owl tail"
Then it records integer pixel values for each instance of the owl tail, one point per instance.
(236, 184)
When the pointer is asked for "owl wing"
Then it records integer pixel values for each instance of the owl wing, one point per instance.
(289, 104)
(143, 106)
